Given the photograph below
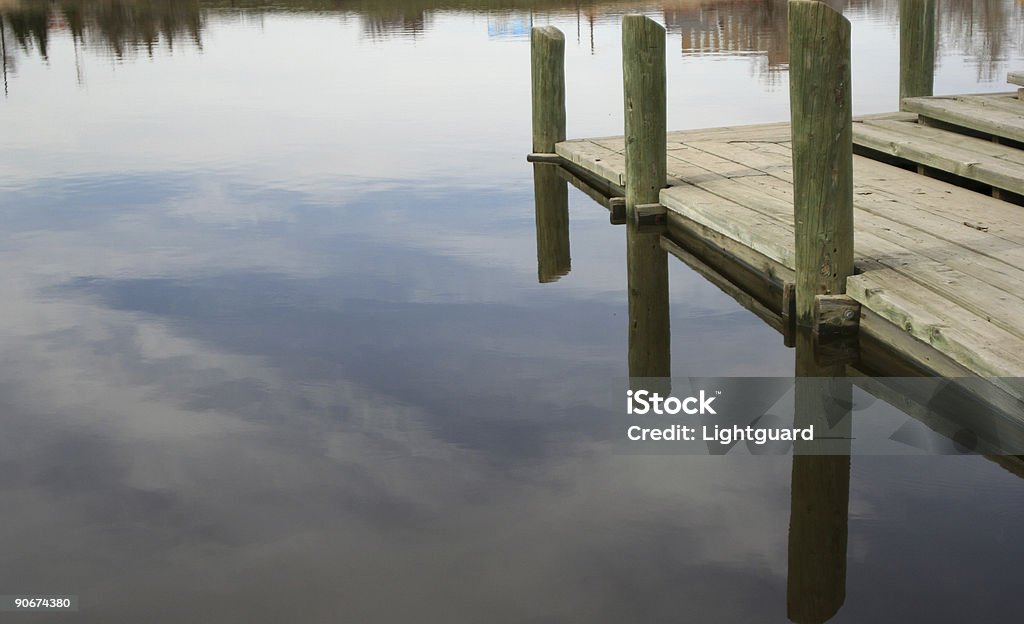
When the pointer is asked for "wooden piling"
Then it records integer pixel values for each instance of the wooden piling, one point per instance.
(547, 69)
(643, 82)
(643, 86)
(821, 116)
(917, 48)
(551, 202)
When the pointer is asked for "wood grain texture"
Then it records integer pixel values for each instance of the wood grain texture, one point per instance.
(821, 116)
(972, 113)
(547, 71)
(643, 85)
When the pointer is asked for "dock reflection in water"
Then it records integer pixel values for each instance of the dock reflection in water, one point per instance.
(824, 397)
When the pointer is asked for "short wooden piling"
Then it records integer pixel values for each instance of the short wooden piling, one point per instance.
(547, 65)
(821, 116)
(917, 48)
(643, 81)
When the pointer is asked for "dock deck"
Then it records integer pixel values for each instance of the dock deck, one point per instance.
(939, 259)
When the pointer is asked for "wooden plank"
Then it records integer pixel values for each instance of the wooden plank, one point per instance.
(957, 160)
(761, 132)
(761, 233)
(881, 241)
(897, 116)
(688, 163)
(773, 198)
(759, 156)
(904, 196)
(997, 306)
(1015, 77)
(978, 345)
(913, 211)
(969, 114)
(886, 243)
(595, 158)
(945, 137)
(1007, 102)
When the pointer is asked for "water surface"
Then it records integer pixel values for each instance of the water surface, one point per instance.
(273, 346)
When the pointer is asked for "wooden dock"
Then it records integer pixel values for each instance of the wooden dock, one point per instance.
(937, 201)
(939, 261)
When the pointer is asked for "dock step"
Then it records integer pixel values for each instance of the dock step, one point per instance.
(996, 165)
(998, 115)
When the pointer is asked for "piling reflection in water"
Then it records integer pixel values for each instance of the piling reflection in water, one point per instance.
(551, 201)
(820, 492)
(647, 285)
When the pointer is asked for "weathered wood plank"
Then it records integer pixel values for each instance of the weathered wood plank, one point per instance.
(909, 198)
(595, 158)
(761, 233)
(683, 228)
(1007, 102)
(1015, 77)
(766, 132)
(977, 344)
(957, 160)
(946, 138)
(969, 114)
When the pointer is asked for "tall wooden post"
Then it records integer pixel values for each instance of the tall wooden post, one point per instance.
(643, 86)
(547, 69)
(643, 81)
(821, 116)
(820, 488)
(917, 48)
(551, 202)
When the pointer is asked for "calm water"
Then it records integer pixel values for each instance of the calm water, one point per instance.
(273, 346)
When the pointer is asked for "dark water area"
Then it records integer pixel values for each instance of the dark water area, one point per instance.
(273, 345)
